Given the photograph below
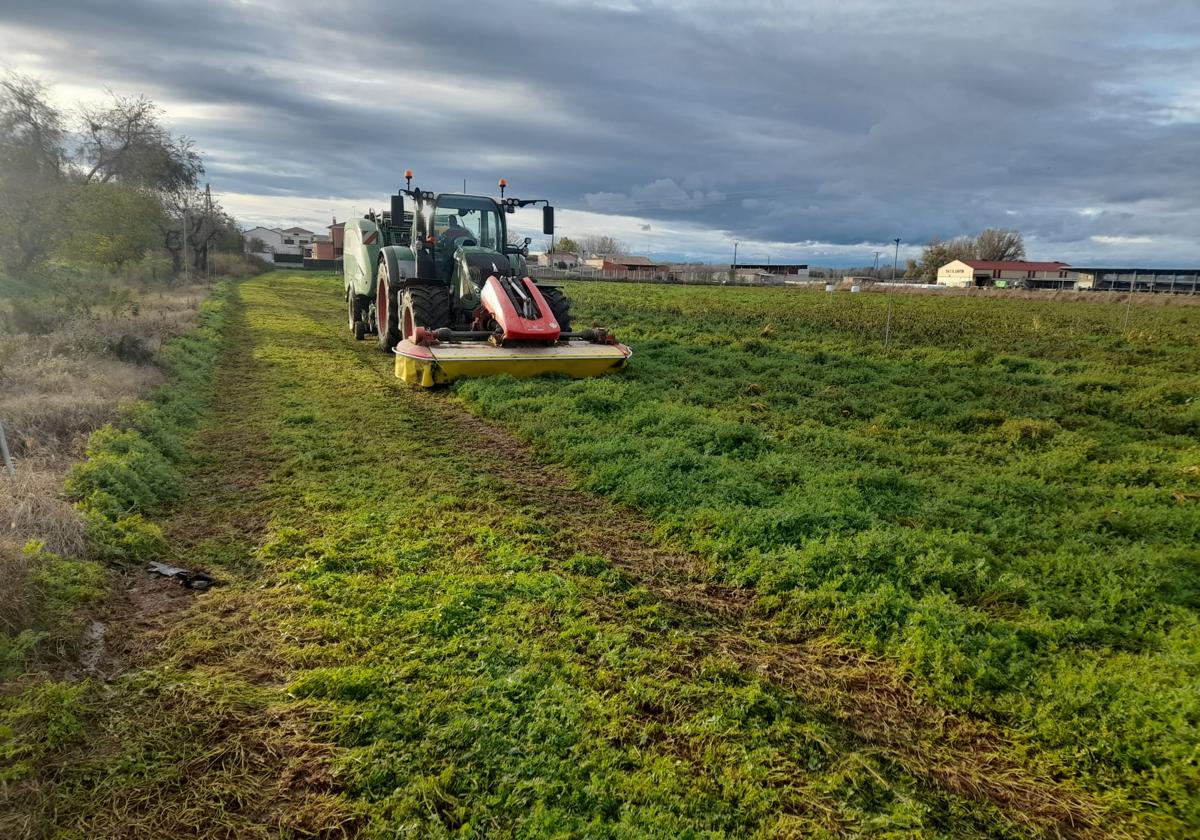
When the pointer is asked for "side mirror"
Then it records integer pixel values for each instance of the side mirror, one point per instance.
(527, 241)
(397, 209)
(548, 220)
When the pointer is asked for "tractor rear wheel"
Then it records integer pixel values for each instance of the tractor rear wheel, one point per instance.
(424, 306)
(387, 316)
(560, 307)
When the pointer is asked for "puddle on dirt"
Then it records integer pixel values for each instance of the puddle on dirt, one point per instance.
(93, 647)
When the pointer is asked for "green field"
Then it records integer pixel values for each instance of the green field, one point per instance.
(774, 580)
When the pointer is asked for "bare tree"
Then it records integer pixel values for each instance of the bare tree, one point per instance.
(194, 221)
(999, 244)
(33, 183)
(30, 127)
(592, 243)
(125, 140)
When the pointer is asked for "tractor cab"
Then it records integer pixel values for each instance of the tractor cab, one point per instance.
(466, 222)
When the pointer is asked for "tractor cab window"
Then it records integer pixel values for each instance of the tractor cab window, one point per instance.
(460, 218)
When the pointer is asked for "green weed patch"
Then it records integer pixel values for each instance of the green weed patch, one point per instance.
(1003, 500)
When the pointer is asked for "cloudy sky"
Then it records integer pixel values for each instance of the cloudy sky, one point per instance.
(815, 131)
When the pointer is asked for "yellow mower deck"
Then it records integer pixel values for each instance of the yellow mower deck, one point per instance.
(442, 363)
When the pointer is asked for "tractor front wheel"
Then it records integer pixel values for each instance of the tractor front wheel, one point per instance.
(560, 307)
(424, 306)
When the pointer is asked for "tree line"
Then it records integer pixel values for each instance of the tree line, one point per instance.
(589, 244)
(104, 184)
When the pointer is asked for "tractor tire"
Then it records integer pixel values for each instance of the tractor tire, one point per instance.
(560, 307)
(387, 316)
(424, 306)
(356, 313)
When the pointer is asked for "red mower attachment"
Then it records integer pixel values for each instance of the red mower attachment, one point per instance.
(524, 340)
(519, 310)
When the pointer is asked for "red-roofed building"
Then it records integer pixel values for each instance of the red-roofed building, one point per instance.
(620, 263)
(1010, 273)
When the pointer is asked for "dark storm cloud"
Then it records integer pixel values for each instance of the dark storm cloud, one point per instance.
(841, 122)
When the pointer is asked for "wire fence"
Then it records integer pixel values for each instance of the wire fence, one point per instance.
(8, 464)
(695, 277)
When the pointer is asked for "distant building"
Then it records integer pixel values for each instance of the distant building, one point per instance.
(296, 238)
(330, 246)
(269, 237)
(559, 259)
(794, 271)
(1176, 280)
(629, 263)
(290, 245)
(1010, 273)
(746, 274)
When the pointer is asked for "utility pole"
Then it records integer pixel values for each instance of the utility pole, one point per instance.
(185, 240)
(208, 215)
(1129, 300)
(875, 270)
(887, 330)
(733, 268)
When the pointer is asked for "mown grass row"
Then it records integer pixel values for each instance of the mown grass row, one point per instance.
(1006, 500)
(484, 682)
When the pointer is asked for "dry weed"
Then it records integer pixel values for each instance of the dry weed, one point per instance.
(58, 387)
(34, 506)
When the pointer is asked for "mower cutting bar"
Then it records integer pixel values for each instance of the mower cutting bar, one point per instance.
(427, 366)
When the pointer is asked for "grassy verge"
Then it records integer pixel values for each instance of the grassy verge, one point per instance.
(1006, 500)
(72, 358)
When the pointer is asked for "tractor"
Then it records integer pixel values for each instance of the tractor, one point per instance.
(437, 282)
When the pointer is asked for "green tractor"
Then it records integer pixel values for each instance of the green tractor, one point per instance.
(441, 288)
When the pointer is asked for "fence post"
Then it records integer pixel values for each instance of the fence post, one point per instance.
(8, 464)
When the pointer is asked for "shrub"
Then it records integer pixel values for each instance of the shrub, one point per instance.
(124, 473)
(238, 264)
(34, 316)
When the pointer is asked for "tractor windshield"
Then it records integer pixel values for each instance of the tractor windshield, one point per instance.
(463, 217)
